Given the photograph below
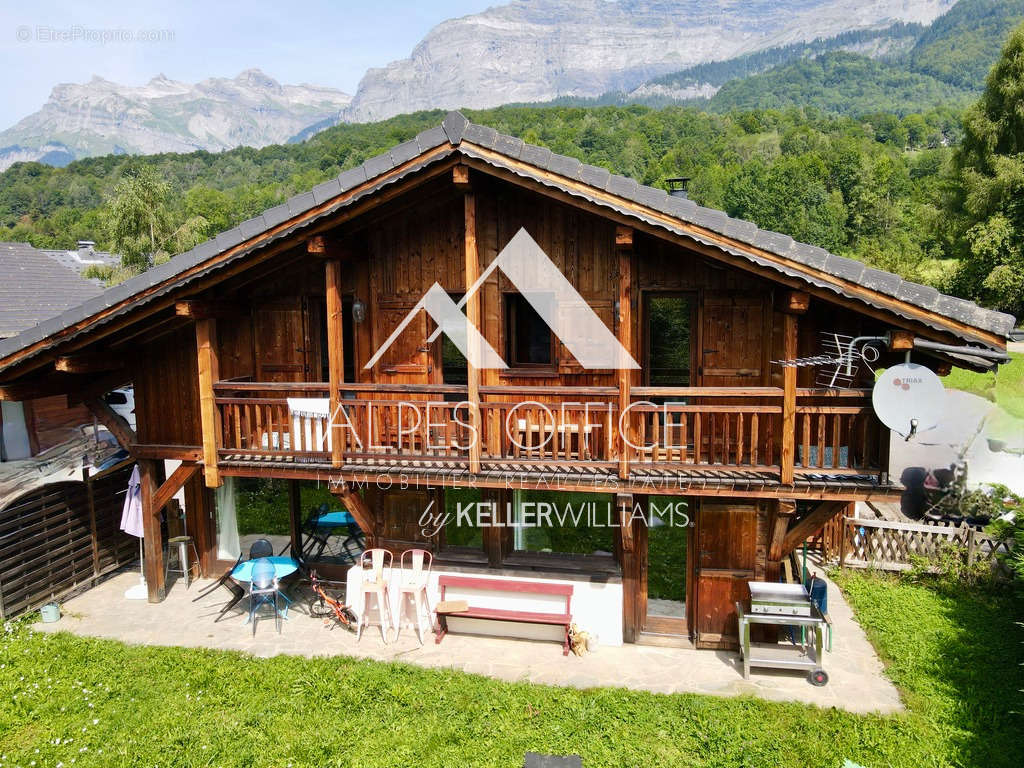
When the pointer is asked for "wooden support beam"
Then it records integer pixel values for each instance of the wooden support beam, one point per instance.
(473, 317)
(780, 517)
(328, 246)
(192, 453)
(460, 176)
(88, 364)
(624, 505)
(195, 309)
(295, 513)
(174, 483)
(901, 341)
(316, 245)
(810, 525)
(114, 422)
(64, 384)
(97, 386)
(209, 372)
(152, 544)
(335, 354)
(795, 302)
(788, 452)
(359, 510)
(625, 336)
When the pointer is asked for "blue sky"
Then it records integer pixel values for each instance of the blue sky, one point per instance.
(313, 41)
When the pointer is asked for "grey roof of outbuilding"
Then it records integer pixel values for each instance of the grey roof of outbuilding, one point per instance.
(81, 259)
(462, 136)
(34, 287)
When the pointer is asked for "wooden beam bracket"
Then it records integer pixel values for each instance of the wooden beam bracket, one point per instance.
(88, 364)
(810, 524)
(113, 421)
(196, 309)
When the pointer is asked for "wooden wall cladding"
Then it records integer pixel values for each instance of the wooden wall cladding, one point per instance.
(50, 421)
(62, 537)
(167, 390)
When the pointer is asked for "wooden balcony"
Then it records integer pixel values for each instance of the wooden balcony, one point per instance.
(714, 434)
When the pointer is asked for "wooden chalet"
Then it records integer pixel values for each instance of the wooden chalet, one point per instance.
(292, 304)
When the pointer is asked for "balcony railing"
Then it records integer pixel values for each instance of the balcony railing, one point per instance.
(574, 428)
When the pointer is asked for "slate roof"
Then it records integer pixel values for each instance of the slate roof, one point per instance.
(34, 287)
(83, 258)
(457, 135)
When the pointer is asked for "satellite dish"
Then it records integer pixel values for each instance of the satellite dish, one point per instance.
(909, 399)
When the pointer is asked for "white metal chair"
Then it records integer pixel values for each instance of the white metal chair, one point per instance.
(414, 575)
(373, 563)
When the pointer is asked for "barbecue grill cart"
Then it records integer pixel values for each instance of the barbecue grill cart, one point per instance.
(782, 605)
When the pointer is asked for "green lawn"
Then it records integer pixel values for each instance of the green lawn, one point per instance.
(1005, 387)
(82, 702)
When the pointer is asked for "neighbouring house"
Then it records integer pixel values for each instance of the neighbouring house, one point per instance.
(37, 285)
(320, 348)
(59, 511)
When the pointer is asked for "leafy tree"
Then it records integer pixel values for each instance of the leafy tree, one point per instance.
(137, 216)
(988, 196)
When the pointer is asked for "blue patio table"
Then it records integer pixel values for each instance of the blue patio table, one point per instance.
(283, 566)
(335, 519)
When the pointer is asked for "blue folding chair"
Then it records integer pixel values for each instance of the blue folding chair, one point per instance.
(263, 590)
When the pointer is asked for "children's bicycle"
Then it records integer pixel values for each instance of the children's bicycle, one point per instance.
(325, 606)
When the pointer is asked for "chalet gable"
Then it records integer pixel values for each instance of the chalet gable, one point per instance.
(708, 231)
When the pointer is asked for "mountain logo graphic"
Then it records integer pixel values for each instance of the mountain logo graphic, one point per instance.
(550, 294)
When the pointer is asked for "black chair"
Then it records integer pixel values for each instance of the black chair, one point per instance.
(237, 590)
(312, 536)
(261, 548)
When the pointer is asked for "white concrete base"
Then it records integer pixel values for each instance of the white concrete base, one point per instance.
(596, 606)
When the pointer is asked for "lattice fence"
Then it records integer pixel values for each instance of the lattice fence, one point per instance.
(890, 545)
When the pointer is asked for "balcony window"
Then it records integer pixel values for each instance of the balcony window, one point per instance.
(529, 342)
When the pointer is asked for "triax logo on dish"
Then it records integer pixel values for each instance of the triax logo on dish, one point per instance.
(550, 294)
(905, 383)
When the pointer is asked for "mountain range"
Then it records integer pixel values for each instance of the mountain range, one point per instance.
(100, 117)
(846, 56)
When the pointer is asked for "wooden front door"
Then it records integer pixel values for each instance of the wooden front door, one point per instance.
(284, 341)
(400, 517)
(725, 560)
(734, 334)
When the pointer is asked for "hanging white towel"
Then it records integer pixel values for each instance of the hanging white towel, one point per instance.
(309, 407)
(131, 514)
(310, 422)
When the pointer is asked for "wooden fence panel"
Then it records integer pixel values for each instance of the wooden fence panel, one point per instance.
(61, 537)
(888, 545)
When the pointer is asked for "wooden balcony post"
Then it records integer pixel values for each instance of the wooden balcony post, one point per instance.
(794, 303)
(461, 179)
(335, 353)
(624, 247)
(209, 372)
(153, 553)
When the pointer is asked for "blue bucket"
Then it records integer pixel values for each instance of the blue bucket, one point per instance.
(50, 613)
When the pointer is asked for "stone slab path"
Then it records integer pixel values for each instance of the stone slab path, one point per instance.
(858, 683)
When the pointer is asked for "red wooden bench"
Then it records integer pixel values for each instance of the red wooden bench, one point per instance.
(498, 614)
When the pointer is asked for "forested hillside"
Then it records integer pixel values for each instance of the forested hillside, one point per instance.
(861, 187)
(843, 83)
